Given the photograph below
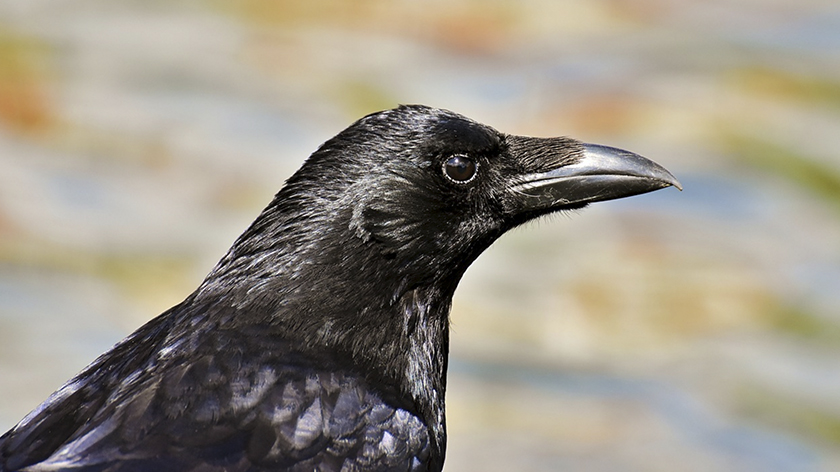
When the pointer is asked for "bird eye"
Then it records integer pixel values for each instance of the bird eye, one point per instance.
(460, 169)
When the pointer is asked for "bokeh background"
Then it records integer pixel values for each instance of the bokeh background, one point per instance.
(693, 331)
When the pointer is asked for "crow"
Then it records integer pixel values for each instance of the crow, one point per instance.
(320, 340)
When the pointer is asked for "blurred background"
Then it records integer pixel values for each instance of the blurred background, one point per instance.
(693, 331)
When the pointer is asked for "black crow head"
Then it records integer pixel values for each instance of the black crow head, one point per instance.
(362, 249)
(413, 195)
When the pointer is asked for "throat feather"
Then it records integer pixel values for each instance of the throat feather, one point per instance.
(426, 336)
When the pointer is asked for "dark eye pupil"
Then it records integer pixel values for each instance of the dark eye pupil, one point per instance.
(459, 168)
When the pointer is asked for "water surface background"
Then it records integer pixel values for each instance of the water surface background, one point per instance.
(687, 331)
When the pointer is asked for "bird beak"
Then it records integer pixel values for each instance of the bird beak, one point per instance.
(603, 173)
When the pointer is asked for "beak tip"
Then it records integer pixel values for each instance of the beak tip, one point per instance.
(630, 163)
(673, 182)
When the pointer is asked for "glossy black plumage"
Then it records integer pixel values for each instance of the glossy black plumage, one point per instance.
(320, 341)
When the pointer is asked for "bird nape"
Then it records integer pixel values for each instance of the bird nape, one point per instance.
(320, 341)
